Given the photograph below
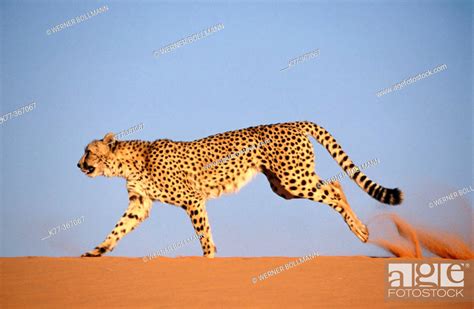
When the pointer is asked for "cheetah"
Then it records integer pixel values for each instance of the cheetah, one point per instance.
(187, 174)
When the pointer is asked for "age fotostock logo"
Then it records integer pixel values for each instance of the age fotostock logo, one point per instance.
(428, 280)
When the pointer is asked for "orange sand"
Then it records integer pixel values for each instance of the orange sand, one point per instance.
(195, 282)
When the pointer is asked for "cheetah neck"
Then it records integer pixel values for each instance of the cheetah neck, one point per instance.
(129, 158)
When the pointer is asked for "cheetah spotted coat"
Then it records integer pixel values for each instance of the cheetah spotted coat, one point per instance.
(187, 174)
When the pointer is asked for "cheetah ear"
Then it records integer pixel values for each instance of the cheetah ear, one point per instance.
(109, 139)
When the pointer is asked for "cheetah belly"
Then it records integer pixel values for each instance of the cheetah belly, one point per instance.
(234, 186)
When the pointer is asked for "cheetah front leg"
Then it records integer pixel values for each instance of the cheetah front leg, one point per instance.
(137, 211)
(198, 215)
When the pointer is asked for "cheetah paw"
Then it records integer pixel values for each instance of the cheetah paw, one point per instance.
(362, 233)
(97, 252)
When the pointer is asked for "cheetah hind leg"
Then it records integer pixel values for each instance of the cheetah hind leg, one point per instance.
(277, 186)
(354, 224)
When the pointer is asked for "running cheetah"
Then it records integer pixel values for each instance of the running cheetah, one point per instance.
(187, 174)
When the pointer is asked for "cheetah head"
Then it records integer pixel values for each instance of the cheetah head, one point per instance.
(98, 157)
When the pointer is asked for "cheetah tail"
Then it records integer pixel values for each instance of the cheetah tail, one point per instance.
(384, 195)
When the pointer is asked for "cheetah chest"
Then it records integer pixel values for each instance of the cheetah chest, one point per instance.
(235, 185)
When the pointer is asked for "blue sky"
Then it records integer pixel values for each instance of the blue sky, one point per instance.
(100, 76)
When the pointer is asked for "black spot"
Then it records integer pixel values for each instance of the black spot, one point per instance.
(372, 188)
(378, 193)
(344, 159)
(367, 184)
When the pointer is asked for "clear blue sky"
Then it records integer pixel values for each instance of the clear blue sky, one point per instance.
(101, 76)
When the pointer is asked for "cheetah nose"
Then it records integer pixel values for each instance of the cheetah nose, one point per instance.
(78, 165)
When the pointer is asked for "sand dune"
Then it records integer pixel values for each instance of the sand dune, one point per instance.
(195, 282)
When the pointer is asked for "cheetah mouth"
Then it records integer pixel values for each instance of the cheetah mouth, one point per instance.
(89, 170)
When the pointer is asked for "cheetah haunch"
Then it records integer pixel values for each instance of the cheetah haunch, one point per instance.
(184, 174)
